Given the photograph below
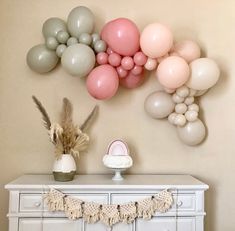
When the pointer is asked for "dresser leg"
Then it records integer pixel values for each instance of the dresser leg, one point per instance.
(200, 223)
(13, 224)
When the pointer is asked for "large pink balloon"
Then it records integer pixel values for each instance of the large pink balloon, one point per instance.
(132, 81)
(102, 82)
(122, 36)
(173, 72)
(156, 40)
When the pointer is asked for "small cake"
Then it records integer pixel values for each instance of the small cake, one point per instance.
(118, 155)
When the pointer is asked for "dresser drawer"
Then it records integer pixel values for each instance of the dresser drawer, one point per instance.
(34, 202)
(166, 224)
(183, 202)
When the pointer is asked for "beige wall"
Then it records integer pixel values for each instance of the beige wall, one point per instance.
(24, 146)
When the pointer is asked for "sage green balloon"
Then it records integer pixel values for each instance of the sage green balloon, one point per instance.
(100, 46)
(60, 50)
(85, 39)
(40, 59)
(78, 60)
(159, 105)
(52, 26)
(193, 133)
(80, 20)
(95, 38)
(71, 41)
(51, 43)
(62, 36)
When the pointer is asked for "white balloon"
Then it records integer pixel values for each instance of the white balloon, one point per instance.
(177, 99)
(191, 116)
(193, 107)
(192, 133)
(182, 91)
(180, 120)
(204, 74)
(189, 100)
(200, 92)
(181, 108)
(171, 118)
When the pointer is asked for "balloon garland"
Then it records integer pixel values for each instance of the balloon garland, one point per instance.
(122, 53)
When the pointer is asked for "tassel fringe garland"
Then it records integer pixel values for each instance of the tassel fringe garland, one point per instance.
(92, 212)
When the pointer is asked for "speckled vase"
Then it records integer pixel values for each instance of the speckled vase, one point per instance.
(64, 169)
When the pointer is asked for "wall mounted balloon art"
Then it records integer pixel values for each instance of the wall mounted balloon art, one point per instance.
(119, 55)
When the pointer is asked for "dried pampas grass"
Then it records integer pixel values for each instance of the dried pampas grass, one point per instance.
(67, 137)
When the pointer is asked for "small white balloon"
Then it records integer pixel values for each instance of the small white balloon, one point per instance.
(182, 91)
(181, 108)
(191, 116)
(192, 92)
(189, 100)
(193, 107)
(180, 120)
(177, 99)
(171, 118)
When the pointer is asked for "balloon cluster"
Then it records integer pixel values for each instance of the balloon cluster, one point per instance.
(182, 82)
(123, 62)
(74, 42)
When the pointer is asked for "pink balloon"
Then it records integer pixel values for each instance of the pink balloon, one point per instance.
(102, 58)
(173, 72)
(140, 58)
(102, 82)
(127, 63)
(169, 90)
(137, 70)
(156, 40)
(122, 73)
(122, 36)
(114, 59)
(132, 81)
(188, 50)
(151, 64)
(109, 51)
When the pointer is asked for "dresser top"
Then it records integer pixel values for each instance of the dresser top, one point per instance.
(105, 182)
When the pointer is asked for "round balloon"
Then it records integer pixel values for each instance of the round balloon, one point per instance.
(52, 26)
(173, 72)
(40, 59)
(132, 81)
(159, 105)
(122, 36)
(192, 133)
(102, 83)
(78, 60)
(188, 50)
(156, 40)
(204, 74)
(80, 20)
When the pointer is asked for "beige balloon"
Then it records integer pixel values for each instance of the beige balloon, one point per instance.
(193, 107)
(191, 116)
(177, 99)
(189, 100)
(200, 93)
(181, 108)
(171, 118)
(193, 133)
(182, 91)
(180, 120)
(192, 92)
(159, 104)
(204, 74)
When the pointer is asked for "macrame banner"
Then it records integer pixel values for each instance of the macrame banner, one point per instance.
(92, 212)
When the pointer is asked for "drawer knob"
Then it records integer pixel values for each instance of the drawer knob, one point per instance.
(179, 203)
(37, 204)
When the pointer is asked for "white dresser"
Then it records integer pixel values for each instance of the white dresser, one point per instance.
(27, 212)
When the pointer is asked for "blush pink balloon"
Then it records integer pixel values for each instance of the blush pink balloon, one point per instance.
(188, 50)
(173, 72)
(151, 64)
(122, 73)
(114, 59)
(109, 51)
(122, 36)
(127, 63)
(102, 82)
(169, 90)
(132, 81)
(137, 70)
(102, 58)
(140, 58)
(156, 40)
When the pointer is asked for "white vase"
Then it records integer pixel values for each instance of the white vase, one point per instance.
(64, 168)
